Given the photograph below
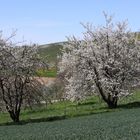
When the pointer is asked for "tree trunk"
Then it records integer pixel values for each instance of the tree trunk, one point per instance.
(112, 101)
(112, 104)
(14, 116)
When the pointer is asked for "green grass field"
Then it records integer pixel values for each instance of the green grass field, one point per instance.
(88, 120)
(47, 73)
(120, 125)
(59, 109)
(67, 109)
(64, 110)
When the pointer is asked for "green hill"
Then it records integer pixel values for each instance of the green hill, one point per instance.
(51, 51)
(139, 36)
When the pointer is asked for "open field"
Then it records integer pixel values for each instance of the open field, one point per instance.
(122, 125)
(57, 121)
(67, 109)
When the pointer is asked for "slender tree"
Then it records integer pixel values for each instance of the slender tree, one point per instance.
(18, 66)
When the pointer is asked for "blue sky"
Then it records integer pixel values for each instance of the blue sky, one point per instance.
(46, 21)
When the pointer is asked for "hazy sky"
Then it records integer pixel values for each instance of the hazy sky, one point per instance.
(46, 21)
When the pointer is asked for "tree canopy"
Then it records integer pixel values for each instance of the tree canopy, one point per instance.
(105, 62)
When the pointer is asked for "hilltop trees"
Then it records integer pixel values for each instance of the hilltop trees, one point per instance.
(105, 62)
(18, 66)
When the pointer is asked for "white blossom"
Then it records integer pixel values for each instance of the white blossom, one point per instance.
(105, 61)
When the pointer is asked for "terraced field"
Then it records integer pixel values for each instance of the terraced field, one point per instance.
(119, 125)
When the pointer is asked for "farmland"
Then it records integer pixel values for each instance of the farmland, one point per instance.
(90, 119)
(105, 126)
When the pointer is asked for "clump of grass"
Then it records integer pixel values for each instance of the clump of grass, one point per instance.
(47, 73)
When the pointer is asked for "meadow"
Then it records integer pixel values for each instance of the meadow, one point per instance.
(120, 125)
(89, 119)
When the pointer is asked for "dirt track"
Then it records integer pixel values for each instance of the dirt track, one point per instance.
(45, 80)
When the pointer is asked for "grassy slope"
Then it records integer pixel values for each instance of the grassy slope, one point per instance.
(139, 36)
(51, 51)
(58, 110)
(47, 73)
